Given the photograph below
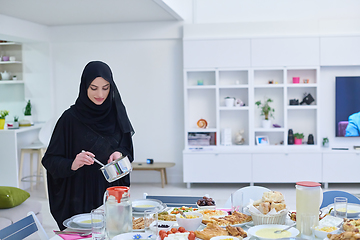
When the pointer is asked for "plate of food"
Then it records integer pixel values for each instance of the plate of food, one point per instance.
(353, 210)
(208, 213)
(69, 223)
(237, 219)
(140, 205)
(183, 208)
(268, 231)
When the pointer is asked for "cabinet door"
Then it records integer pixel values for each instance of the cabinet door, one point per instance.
(203, 167)
(339, 51)
(292, 167)
(216, 53)
(341, 167)
(285, 52)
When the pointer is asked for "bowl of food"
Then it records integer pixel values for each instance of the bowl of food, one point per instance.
(323, 231)
(206, 203)
(85, 221)
(140, 205)
(191, 222)
(267, 231)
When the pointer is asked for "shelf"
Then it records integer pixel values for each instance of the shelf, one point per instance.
(301, 107)
(11, 82)
(244, 108)
(301, 85)
(9, 43)
(279, 85)
(10, 62)
(201, 87)
(269, 130)
(234, 86)
(191, 130)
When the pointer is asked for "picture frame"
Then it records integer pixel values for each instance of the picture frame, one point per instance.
(262, 140)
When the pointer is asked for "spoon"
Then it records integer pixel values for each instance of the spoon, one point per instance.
(280, 231)
(182, 213)
(95, 160)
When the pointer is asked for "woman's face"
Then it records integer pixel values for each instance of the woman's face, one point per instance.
(98, 90)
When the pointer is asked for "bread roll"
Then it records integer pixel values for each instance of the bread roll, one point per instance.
(273, 196)
(264, 207)
(278, 206)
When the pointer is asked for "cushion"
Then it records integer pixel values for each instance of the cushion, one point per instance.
(12, 197)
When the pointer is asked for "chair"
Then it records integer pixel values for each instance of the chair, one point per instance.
(175, 201)
(24, 228)
(328, 197)
(250, 192)
(38, 147)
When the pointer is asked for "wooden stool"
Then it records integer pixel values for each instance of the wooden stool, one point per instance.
(39, 149)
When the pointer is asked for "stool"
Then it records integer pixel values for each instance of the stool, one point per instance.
(39, 149)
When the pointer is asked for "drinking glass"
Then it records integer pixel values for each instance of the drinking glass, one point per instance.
(151, 223)
(98, 224)
(237, 202)
(340, 207)
(308, 223)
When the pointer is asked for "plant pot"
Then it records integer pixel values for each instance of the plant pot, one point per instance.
(229, 102)
(2, 123)
(266, 123)
(29, 118)
(298, 141)
(296, 79)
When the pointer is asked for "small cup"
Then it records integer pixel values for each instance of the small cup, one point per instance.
(151, 223)
(98, 224)
(5, 58)
(340, 207)
(237, 202)
(308, 223)
(12, 58)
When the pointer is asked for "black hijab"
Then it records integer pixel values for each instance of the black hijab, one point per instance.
(111, 113)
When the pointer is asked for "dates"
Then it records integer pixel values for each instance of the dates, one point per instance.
(205, 201)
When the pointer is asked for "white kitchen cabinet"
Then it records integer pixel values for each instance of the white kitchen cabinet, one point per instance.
(271, 52)
(286, 167)
(339, 51)
(216, 53)
(341, 166)
(216, 167)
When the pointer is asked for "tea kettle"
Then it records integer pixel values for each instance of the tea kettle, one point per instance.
(5, 75)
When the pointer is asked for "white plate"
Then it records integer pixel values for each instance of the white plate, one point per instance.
(131, 236)
(140, 205)
(350, 206)
(235, 225)
(70, 224)
(252, 231)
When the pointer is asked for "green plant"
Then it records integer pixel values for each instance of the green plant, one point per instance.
(266, 110)
(27, 111)
(299, 135)
(16, 118)
(3, 114)
(325, 140)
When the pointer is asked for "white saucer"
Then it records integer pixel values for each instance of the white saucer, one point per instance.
(70, 224)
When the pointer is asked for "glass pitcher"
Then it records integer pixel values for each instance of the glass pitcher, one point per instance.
(309, 197)
(118, 211)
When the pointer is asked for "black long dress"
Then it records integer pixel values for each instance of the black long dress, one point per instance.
(74, 192)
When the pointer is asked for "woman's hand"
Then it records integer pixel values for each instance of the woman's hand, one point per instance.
(114, 156)
(83, 158)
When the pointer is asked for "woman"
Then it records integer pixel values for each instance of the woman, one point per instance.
(98, 124)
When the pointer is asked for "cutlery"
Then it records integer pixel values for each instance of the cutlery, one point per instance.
(95, 160)
(182, 213)
(280, 231)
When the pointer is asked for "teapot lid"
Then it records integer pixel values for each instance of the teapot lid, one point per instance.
(308, 184)
(118, 192)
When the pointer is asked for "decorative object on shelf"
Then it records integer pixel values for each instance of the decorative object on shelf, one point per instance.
(262, 140)
(202, 123)
(239, 139)
(266, 111)
(290, 137)
(298, 138)
(308, 99)
(310, 139)
(16, 122)
(3, 114)
(294, 102)
(276, 125)
(199, 139)
(12, 58)
(271, 81)
(5, 75)
(14, 77)
(239, 103)
(27, 112)
(306, 80)
(226, 136)
(229, 101)
(296, 79)
(325, 142)
(200, 82)
(5, 58)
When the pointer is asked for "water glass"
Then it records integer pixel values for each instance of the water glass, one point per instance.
(340, 207)
(308, 223)
(151, 223)
(237, 202)
(98, 224)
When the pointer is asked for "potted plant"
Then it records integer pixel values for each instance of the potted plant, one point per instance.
(16, 122)
(266, 111)
(298, 138)
(3, 114)
(325, 142)
(229, 101)
(27, 112)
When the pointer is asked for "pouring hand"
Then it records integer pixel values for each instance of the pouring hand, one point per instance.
(83, 158)
(114, 156)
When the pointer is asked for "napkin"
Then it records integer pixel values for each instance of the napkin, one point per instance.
(73, 236)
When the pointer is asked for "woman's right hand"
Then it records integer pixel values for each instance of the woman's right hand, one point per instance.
(83, 158)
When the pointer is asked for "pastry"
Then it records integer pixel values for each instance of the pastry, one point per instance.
(278, 206)
(235, 218)
(344, 235)
(351, 225)
(273, 196)
(211, 230)
(236, 232)
(264, 207)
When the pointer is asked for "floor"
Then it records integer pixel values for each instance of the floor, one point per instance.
(219, 192)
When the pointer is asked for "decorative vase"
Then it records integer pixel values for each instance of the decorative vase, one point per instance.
(298, 141)
(2, 123)
(266, 123)
(29, 118)
(229, 102)
(239, 139)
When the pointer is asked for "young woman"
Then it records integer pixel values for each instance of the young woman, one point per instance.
(98, 124)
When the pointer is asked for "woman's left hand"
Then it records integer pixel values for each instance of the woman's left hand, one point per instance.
(114, 156)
